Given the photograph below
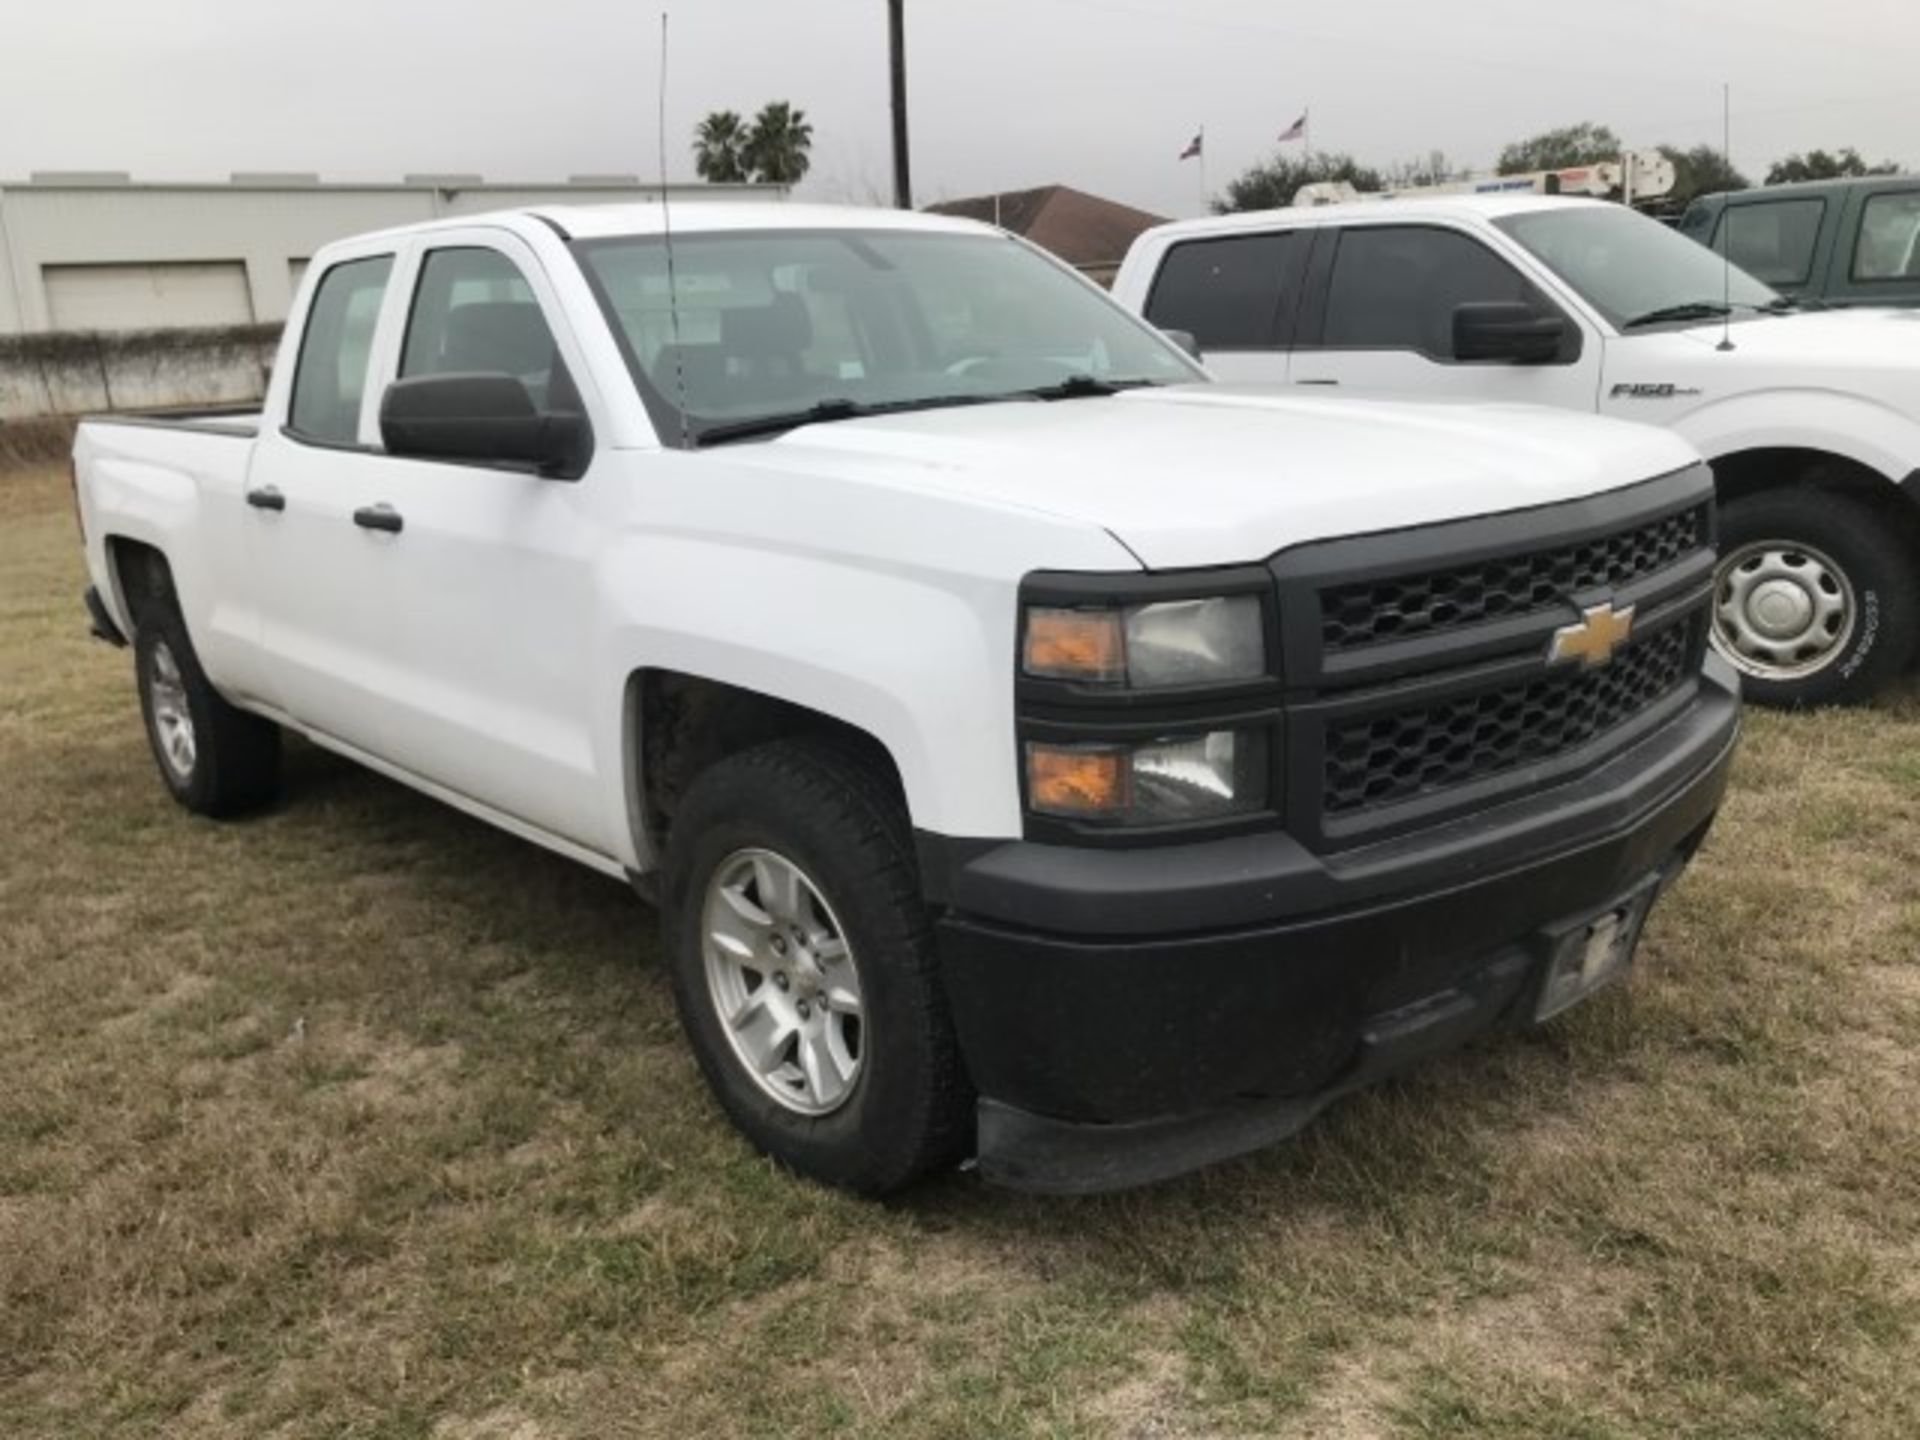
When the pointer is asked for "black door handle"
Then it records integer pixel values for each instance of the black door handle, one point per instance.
(267, 497)
(1316, 382)
(378, 517)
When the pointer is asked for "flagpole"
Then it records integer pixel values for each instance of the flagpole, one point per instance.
(1202, 158)
(1306, 134)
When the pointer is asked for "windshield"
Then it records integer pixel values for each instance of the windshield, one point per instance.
(1630, 268)
(810, 325)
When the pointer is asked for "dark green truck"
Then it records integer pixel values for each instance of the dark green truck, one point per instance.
(1834, 242)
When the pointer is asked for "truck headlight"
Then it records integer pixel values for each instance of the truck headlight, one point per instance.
(1157, 645)
(1157, 782)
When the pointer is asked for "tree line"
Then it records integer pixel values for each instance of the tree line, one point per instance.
(1698, 170)
(772, 150)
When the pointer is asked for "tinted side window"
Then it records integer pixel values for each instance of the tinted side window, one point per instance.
(1772, 240)
(474, 313)
(330, 375)
(1226, 293)
(1395, 287)
(1889, 243)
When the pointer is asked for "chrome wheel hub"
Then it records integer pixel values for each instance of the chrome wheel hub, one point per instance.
(1781, 610)
(172, 719)
(783, 981)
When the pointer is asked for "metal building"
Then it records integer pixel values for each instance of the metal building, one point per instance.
(99, 251)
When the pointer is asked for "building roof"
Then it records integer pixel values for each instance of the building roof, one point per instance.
(1081, 229)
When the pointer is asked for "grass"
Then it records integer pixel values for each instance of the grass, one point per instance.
(360, 1119)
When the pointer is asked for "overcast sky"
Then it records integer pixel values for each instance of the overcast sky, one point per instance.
(1101, 94)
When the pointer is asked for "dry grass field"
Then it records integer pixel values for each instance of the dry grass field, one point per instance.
(360, 1119)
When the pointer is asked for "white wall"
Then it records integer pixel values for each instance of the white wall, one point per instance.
(264, 228)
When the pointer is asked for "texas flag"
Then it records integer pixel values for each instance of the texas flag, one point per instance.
(1193, 145)
(1296, 131)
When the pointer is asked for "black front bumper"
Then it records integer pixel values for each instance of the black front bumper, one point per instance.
(1130, 1014)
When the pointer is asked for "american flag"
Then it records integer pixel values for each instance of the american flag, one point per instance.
(1296, 131)
(1193, 145)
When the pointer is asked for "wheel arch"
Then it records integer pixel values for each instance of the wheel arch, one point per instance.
(678, 724)
(1738, 474)
(141, 578)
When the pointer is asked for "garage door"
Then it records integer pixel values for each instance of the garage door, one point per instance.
(147, 297)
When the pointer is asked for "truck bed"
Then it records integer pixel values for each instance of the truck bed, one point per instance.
(226, 420)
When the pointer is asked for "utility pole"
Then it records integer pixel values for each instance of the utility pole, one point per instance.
(897, 45)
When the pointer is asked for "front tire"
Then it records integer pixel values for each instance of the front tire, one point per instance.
(803, 966)
(1815, 598)
(215, 759)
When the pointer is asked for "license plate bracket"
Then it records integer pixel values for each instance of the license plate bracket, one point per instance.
(1593, 953)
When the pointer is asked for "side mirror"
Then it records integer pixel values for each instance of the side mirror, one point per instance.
(1184, 339)
(482, 419)
(1507, 331)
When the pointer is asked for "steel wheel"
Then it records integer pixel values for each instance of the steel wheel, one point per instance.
(1781, 610)
(783, 981)
(172, 718)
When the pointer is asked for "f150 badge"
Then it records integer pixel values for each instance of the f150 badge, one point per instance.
(1601, 631)
(1650, 390)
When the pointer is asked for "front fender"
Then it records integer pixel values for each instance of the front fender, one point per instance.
(1878, 436)
(917, 657)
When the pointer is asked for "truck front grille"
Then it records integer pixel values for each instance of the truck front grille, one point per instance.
(1419, 684)
(1387, 758)
(1367, 612)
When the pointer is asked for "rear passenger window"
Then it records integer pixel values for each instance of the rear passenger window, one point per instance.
(330, 376)
(1889, 243)
(474, 313)
(1772, 240)
(1226, 293)
(1394, 287)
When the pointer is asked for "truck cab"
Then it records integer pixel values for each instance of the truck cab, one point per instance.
(1035, 750)
(1822, 242)
(1811, 421)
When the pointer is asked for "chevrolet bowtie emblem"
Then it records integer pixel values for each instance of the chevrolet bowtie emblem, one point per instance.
(1601, 631)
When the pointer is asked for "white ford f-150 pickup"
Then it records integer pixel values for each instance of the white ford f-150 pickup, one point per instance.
(1036, 750)
(1811, 420)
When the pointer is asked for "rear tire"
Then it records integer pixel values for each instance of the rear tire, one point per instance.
(791, 885)
(214, 759)
(1816, 601)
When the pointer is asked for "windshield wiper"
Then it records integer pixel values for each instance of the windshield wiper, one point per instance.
(821, 411)
(1687, 310)
(1079, 387)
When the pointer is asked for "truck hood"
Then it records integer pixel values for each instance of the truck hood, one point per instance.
(1221, 474)
(1849, 341)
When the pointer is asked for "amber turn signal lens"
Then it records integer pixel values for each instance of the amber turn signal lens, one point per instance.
(1075, 645)
(1063, 781)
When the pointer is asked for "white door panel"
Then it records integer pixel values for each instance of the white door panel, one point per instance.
(316, 574)
(1402, 372)
(1386, 324)
(485, 647)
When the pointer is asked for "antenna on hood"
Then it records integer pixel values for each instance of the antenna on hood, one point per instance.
(666, 229)
(1727, 211)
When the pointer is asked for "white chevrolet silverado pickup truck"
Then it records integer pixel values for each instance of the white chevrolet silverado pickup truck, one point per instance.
(1811, 420)
(1037, 751)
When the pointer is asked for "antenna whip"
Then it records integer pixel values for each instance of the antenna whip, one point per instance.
(1726, 245)
(666, 227)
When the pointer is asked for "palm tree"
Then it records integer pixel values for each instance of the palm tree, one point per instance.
(719, 148)
(777, 146)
